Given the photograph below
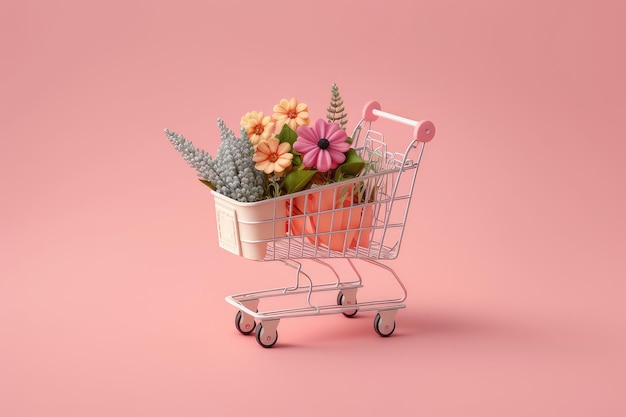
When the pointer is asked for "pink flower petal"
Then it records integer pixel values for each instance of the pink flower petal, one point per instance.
(320, 128)
(341, 146)
(304, 146)
(324, 161)
(307, 134)
(309, 158)
(337, 157)
(331, 128)
(338, 135)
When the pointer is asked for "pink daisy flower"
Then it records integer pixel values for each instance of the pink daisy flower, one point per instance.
(322, 146)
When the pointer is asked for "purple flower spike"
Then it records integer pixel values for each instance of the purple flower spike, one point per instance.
(322, 146)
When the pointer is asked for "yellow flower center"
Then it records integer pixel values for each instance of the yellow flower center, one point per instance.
(292, 114)
(258, 129)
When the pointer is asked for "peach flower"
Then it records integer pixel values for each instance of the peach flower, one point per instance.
(292, 113)
(272, 156)
(258, 127)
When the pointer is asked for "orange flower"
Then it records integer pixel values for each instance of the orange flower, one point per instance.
(272, 156)
(291, 112)
(258, 127)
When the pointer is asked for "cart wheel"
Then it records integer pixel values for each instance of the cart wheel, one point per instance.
(341, 300)
(383, 330)
(244, 323)
(265, 340)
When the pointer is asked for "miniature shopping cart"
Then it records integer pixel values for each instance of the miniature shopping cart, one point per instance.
(361, 219)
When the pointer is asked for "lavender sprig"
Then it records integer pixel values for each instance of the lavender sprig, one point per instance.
(232, 172)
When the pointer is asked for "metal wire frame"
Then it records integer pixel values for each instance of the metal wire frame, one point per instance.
(248, 301)
(381, 183)
(380, 197)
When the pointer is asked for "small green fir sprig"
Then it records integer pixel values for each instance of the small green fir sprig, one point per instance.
(336, 112)
(232, 172)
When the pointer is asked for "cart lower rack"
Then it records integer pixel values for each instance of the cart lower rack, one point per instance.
(358, 220)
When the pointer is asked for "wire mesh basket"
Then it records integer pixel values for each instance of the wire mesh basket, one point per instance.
(362, 218)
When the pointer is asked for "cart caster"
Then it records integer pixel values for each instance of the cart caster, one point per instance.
(384, 327)
(266, 335)
(244, 323)
(343, 299)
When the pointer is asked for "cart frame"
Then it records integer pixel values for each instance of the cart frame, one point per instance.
(374, 226)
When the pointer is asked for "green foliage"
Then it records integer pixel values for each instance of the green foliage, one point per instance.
(297, 180)
(287, 135)
(351, 167)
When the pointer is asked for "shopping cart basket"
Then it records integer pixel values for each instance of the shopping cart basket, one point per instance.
(360, 220)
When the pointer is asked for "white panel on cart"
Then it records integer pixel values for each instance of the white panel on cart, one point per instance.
(227, 230)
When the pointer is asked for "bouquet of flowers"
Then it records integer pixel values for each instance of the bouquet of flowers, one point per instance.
(276, 155)
(280, 155)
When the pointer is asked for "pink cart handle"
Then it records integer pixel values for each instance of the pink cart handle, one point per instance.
(424, 130)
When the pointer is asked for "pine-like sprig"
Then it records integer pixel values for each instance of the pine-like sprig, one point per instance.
(336, 111)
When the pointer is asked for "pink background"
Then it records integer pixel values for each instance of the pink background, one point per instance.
(111, 281)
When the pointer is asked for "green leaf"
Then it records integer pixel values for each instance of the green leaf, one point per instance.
(296, 180)
(352, 166)
(287, 135)
(207, 183)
